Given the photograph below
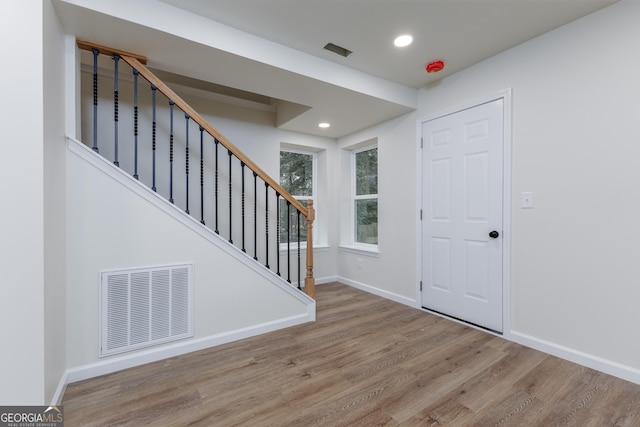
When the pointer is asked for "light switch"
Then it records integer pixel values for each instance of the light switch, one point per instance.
(527, 200)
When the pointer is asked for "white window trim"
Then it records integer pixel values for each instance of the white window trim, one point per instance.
(314, 191)
(361, 249)
(355, 246)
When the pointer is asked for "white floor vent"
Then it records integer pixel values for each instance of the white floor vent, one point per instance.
(144, 307)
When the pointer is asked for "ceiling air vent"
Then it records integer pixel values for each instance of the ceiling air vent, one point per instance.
(338, 49)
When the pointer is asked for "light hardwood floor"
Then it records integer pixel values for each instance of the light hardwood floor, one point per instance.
(366, 361)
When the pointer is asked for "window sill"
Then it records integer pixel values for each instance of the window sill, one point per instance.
(371, 250)
(303, 248)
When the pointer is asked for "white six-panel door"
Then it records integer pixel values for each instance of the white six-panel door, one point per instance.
(462, 196)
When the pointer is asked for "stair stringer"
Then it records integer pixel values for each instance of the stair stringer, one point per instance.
(83, 363)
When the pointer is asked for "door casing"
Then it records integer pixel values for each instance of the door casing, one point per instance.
(505, 95)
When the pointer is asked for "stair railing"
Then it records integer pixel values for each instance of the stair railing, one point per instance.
(273, 190)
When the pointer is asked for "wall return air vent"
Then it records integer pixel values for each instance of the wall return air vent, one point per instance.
(144, 307)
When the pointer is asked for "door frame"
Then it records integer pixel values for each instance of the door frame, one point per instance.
(505, 95)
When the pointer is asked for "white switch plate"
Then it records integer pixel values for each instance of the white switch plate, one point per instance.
(527, 200)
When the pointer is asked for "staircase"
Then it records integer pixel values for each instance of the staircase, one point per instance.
(164, 143)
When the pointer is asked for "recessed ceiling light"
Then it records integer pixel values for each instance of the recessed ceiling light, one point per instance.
(402, 41)
(324, 125)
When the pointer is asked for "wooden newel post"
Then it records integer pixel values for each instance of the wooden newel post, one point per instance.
(309, 281)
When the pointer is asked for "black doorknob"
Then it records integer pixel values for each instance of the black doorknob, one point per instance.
(494, 234)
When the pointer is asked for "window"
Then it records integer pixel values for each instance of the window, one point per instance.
(297, 176)
(365, 195)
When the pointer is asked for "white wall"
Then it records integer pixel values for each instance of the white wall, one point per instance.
(392, 271)
(55, 279)
(22, 316)
(576, 100)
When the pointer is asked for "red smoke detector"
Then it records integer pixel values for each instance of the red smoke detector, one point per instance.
(435, 66)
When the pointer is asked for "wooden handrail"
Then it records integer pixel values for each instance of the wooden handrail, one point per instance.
(104, 50)
(137, 62)
(180, 103)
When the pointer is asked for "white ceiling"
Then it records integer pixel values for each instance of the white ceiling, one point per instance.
(274, 48)
(460, 32)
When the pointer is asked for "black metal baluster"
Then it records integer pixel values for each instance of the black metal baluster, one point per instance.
(230, 199)
(242, 166)
(116, 59)
(95, 99)
(135, 123)
(298, 232)
(186, 155)
(216, 187)
(277, 233)
(255, 216)
(153, 138)
(202, 175)
(171, 103)
(288, 241)
(266, 223)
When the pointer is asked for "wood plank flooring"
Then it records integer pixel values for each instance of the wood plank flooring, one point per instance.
(366, 361)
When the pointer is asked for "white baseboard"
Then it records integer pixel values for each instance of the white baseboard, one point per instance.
(590, 361)
(56, 400)
(328, 279)
(603, 365)
(376, 291)
(118, 363)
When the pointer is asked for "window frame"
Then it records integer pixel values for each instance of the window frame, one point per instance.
(314, 195)
(355, 197)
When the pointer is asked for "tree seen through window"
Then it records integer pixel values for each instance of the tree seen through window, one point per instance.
(296, 176)
(366, 196)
